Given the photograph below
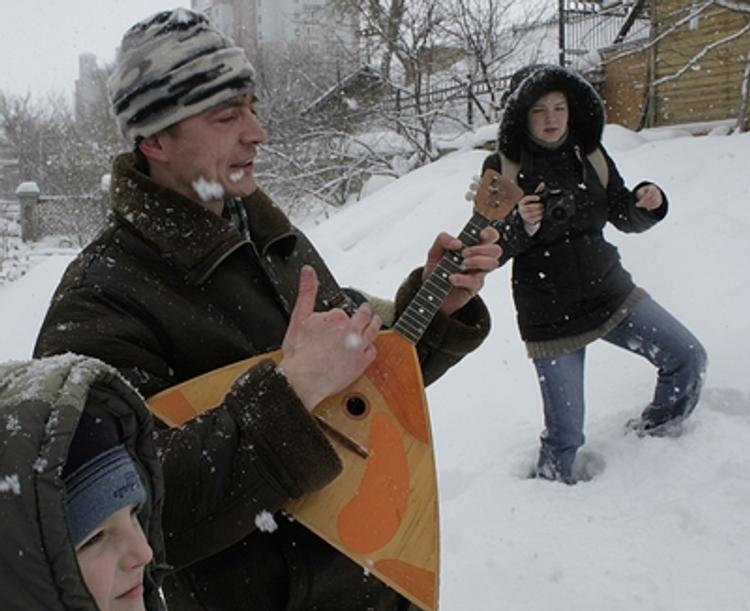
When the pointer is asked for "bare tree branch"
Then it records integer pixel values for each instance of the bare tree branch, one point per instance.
(696, 12)
(742, 120)
(701, 54)
(734, 6)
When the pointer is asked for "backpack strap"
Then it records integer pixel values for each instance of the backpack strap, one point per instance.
(510, 168)
(599, 163)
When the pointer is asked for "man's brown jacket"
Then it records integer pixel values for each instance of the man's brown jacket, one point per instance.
(170, 291)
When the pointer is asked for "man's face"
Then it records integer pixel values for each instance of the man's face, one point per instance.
(211, 155)
(112, 560)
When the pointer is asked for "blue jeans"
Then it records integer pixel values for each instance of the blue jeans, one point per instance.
(650, 331)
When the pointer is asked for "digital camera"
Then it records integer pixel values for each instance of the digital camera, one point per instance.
(559, 205)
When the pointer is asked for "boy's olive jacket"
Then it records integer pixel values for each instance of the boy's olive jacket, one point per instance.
(40, 404)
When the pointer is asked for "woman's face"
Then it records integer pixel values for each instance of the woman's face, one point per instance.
(112, 560)
(548, 117)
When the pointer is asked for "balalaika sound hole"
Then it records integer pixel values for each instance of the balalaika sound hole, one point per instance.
(356, 406)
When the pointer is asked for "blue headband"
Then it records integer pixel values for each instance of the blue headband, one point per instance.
(100, 487)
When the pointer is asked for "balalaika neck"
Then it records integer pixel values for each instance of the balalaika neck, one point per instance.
(422, 309)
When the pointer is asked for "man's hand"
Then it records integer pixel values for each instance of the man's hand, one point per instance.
(649, 197)
(478, 261)
(324, 352)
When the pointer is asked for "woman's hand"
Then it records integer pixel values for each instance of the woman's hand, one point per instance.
(648, 197)
(531, 208)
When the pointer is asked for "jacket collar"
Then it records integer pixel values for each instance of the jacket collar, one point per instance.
(192, 238)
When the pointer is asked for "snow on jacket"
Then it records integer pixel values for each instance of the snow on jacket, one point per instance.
(40, 404)
(567, 279)
(170, 291)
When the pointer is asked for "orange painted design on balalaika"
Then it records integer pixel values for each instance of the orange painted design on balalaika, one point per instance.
(382, 511)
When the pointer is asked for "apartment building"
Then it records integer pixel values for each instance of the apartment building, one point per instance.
(267, 25)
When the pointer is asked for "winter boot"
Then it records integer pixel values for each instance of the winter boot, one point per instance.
(657, 422)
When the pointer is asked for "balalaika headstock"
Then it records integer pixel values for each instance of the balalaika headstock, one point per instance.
(495, 196)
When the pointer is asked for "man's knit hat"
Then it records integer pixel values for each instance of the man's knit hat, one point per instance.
(99, 476)
(172, 66)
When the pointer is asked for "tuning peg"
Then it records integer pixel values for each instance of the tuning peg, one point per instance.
(470, 196)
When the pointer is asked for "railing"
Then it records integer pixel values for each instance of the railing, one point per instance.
(78, 217)
(589, 25)
(403, 100)
(585, 26)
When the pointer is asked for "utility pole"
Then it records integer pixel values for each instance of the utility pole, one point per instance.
(561, 31)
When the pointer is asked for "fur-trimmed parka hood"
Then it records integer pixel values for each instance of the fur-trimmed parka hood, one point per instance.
(41, 402)
(528, 84)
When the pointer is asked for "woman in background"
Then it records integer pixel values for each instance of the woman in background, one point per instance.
(569, 287)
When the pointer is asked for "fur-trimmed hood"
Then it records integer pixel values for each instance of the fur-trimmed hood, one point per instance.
(528, 84)
(40, 404)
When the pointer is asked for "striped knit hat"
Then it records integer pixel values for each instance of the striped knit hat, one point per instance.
(172, 66)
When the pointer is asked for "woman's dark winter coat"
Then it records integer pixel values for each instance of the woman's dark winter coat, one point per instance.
(40, 405)
(567, 279)
(171, 291)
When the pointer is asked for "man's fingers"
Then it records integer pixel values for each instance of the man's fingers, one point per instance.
(474, 255)
(370, 332)
(479, 265)
(444, 241)
(306, 294)
(365, 324)
(472, 283)
(362, 317)
(489, 235)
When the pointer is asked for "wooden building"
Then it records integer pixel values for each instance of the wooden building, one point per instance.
(693, 69)
(717, 43)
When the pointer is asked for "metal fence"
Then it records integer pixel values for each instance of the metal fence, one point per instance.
(473, 95)
(77, 217)
(590, 25)
(583, 26)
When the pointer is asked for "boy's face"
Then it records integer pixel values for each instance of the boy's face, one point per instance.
(112, 560)
(211, 155)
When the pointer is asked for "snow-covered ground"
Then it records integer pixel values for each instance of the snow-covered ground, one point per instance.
(666, 525)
